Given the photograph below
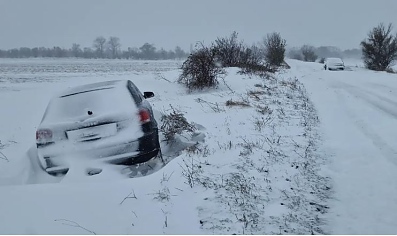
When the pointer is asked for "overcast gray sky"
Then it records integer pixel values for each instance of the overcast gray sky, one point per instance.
(167, 23)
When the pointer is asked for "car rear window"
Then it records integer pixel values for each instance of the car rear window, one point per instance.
(334, 60)
(100, 102)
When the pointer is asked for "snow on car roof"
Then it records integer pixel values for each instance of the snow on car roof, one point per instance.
(334, 59)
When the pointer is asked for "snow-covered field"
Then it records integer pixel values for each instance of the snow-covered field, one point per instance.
(280, 161)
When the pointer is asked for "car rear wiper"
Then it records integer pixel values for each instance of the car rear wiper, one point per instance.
(84, 92)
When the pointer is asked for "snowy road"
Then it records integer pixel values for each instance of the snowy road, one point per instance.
(358, 114)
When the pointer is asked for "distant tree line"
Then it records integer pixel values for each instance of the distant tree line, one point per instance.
(311, 53)
(101, 48)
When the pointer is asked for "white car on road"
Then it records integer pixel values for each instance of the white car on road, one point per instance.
(334, 64)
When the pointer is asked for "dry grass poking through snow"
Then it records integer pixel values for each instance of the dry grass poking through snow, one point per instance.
(261, 171)
(2, 156)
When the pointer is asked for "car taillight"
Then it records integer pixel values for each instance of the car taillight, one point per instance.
(43, 135)
(144, 116)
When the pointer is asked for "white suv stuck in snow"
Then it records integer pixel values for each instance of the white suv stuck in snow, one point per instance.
(109, 120)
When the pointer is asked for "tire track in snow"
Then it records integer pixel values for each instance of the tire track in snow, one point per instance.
(364, 94)
(386, 150)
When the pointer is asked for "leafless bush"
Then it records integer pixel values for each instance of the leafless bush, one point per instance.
(380, 48)
(198, 149)
(249, 146)
(254, 54)
(200, 70)
(228, 50)
(191, 172)
(163, 195)
(308, 53)
(174, 123)
(214, 106)
(264, 109)
(2, 156)
(225, 146)
(274, 49)
(260, 123)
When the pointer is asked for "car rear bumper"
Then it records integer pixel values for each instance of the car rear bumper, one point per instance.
(127, 153)
(335, 67)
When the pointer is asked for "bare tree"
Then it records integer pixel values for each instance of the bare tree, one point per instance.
(99, 45)
(274, 49)
(148, 51)
(76, 50)
(114, 46)
(88, 53)
(308, 53)
(179, 53)
(380, 48)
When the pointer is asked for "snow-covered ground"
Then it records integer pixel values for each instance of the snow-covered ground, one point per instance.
(263, 167)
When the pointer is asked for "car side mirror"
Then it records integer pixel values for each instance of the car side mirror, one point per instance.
(148, 94)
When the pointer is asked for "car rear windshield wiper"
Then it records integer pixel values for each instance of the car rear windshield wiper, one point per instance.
(85, 92)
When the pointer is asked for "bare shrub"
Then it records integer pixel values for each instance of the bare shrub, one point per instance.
(249, 146)
(214, 106)
(380, 48)
(2, 156)
(200, 70)
(228, 50)
(163, 195)
(198, 149)
(274, 49)
(191, 171)
(174, 123)
(262, 122)
(251, 58)
(264, 109)
(309, 53)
